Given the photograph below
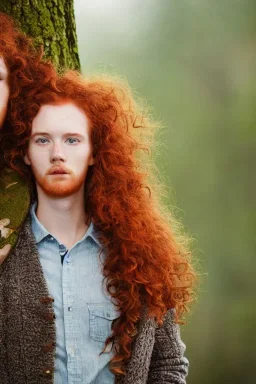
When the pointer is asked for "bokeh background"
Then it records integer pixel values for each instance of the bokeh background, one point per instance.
(194, 61)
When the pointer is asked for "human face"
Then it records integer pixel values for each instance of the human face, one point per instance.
(4, 90)
(60, 141)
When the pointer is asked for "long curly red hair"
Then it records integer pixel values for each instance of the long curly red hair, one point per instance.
(148, 263)
(24, 63)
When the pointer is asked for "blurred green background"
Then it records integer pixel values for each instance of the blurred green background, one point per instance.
(194, 62)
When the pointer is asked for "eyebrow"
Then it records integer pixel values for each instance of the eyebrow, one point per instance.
(65, 135)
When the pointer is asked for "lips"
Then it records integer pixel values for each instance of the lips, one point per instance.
(58, 171)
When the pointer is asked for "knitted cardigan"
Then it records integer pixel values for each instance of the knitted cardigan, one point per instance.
(28, 335)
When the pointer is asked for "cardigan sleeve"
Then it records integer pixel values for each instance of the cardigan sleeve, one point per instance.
(168, 364)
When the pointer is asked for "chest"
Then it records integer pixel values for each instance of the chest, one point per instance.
(27, 324)
(83, 309)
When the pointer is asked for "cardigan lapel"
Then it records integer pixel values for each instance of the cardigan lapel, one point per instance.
(38, 338)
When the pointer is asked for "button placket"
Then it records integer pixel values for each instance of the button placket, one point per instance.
(50, 316)
(71, 323)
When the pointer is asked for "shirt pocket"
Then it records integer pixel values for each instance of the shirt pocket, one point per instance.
(101, 316)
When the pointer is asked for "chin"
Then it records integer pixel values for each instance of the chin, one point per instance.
(61, 188)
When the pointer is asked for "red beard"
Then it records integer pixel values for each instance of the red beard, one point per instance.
(60, 185)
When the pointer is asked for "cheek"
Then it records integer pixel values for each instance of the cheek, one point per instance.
(36, 158)
(82, 156)
(4, 96)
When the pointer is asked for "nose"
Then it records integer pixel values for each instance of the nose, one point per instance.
(57, 153)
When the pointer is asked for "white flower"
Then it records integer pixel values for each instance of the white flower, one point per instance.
(5, 232)
(4, 222)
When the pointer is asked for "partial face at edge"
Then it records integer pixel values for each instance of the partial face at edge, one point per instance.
(60, 137)
(4, 90)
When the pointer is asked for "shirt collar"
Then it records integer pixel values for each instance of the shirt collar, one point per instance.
(40, 232)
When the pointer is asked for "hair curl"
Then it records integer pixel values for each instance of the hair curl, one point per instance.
(26, 69)
(148, 263)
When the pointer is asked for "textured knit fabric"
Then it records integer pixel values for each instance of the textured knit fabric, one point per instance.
(28, 331)
(83, 309)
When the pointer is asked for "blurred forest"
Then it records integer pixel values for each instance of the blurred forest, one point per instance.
(194, 62)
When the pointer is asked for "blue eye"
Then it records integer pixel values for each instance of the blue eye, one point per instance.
(74, 140)
(41, 140)
(71, 140)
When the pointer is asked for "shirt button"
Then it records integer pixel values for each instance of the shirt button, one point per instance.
(69, 309)
(51, 238)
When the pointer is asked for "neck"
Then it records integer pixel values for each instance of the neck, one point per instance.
(64, 217)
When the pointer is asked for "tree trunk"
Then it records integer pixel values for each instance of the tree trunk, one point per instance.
(51, 23)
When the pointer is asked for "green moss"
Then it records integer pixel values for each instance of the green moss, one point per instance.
(51, 23)
(14, 202)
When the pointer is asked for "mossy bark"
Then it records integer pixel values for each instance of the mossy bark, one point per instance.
(52, 24)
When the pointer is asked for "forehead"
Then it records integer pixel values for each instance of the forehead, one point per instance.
(60, 118)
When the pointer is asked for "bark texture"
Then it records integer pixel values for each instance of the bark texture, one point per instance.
(51, 23)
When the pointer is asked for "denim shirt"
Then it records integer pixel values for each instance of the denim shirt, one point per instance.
(82, 307)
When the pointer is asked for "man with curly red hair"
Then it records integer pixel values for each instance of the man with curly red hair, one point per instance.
(101, 276)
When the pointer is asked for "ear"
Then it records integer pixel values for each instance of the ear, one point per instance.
(26, 160)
